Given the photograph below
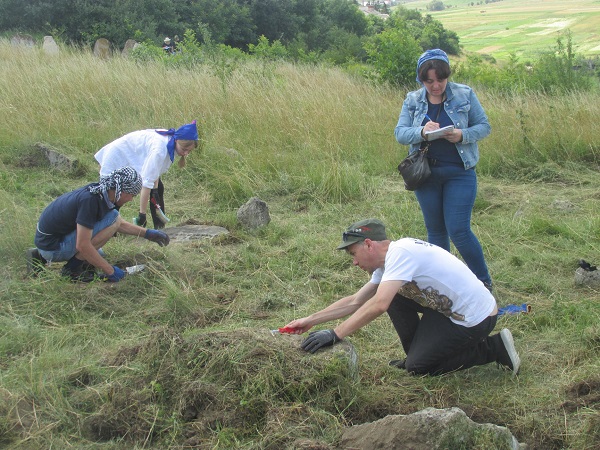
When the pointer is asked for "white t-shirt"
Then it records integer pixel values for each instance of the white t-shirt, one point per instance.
(144, 150)
(436, 279)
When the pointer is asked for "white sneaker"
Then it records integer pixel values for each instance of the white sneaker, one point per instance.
(513, 362)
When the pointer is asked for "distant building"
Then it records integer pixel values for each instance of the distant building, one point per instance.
(374, 8)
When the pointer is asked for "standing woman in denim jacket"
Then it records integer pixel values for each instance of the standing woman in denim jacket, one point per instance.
(448, 195)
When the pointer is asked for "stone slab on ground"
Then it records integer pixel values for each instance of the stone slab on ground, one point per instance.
(194, 232)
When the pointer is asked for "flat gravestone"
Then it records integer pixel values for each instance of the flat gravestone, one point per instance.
(50, 46)
(102, 48)
(194, 232)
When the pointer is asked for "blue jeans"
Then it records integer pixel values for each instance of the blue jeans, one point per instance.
(68, 247)
(447, 199)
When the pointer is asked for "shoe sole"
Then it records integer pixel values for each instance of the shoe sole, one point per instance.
(398, 363)
(509, 345)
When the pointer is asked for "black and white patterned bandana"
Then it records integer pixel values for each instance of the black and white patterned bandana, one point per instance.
(125, 179)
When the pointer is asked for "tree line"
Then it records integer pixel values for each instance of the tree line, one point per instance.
(335, 30)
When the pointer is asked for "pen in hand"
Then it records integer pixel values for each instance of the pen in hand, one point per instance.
(428, 118)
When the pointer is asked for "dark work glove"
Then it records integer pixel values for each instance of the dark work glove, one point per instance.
(160, 237)
(318, 339)
(141, 220)
(117, 276)
(154, 194)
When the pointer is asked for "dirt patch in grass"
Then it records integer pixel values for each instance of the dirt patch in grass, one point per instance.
(583, 394)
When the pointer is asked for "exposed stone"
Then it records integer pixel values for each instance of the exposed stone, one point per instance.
(50, 46)
(587, 278)
(228, 152)
(429, 429)
(563, 205)
(343, 350)
(56, 159)
(129, 45)
(194, 232)
(102, 48)
(254, 214)
(22, 40)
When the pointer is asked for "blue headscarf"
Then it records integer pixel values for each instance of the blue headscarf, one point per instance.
(188, 132)
(435, 53)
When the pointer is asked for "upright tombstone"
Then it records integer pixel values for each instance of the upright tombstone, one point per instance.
(129, 45)
(102, 48)
(254, 213)
(22, 40)
(50, 46)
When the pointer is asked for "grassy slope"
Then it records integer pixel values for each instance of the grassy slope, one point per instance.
(130, 361)
(522, 27)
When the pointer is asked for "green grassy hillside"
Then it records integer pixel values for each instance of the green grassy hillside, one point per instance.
(180, 356)
(522, 27)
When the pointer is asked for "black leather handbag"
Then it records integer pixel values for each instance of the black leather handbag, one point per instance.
(415, 169)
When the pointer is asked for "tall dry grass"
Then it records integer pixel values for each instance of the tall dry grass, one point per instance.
(318, 146)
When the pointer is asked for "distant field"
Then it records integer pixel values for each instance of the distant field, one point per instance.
(523, 27)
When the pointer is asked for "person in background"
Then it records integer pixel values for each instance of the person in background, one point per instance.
(448, 195)
(77, 224)
(150, 152)
(167, 47)
(442, 313)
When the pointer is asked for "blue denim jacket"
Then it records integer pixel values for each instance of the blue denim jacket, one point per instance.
(463, 108)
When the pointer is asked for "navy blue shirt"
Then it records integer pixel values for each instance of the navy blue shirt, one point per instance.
(61, 217)
(442, 150)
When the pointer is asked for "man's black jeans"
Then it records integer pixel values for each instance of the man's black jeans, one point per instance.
(434, 344)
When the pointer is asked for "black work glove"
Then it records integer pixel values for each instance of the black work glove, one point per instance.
(160, 237)
(141, 220)
(318, 339)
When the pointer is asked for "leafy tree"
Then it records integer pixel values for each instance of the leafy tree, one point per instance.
(430, 33)
(228, 21)
(275, 19)
(554, 70)
(436, 5)
(433, 35)
(343, 46)
(345, 15)
(268, 51)
(394, 54)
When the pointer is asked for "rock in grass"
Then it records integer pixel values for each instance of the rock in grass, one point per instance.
(429, 429)
(587, 278)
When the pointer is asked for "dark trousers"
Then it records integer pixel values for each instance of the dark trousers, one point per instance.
(158, 194)
(434, 344)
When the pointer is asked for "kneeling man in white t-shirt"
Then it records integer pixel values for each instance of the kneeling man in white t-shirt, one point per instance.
(442, 313)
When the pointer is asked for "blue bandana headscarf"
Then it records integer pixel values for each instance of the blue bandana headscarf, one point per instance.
(435, 53)
(188, 132)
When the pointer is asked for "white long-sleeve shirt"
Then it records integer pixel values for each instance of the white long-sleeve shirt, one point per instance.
(144, 150)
